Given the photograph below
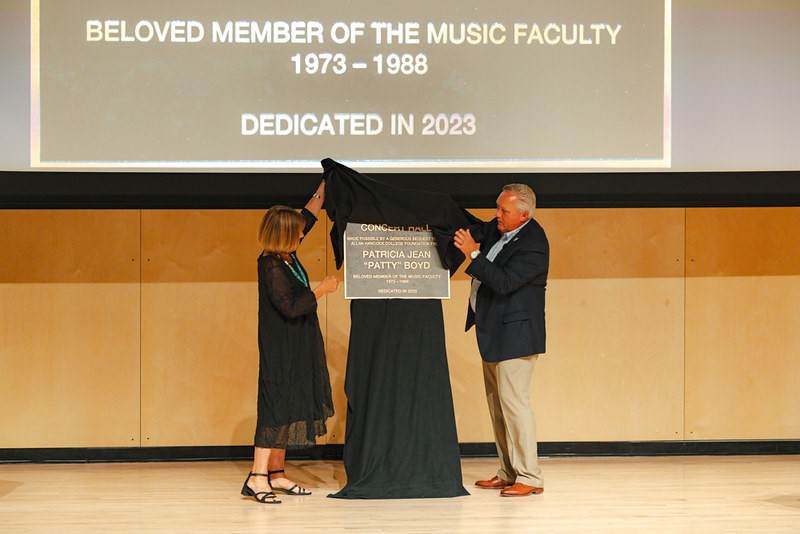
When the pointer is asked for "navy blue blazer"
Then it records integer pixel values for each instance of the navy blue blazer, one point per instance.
(509, 317)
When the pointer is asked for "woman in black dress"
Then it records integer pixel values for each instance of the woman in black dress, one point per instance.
(294, 389)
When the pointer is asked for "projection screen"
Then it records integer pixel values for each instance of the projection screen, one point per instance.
(449, 86)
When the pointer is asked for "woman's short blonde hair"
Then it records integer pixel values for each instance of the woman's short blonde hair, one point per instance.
(279, 231)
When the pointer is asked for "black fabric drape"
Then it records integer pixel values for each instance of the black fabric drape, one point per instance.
(400, 437)
(354, 197)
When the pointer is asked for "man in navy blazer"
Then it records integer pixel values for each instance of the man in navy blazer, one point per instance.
(510, 257)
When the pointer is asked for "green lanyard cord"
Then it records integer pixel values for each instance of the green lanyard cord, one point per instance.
(299, 275)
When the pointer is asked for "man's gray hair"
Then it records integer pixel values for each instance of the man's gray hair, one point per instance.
(526, 198)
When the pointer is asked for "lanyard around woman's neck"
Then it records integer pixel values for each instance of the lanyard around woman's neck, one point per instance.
(299, 274)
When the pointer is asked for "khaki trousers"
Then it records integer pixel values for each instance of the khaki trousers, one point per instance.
(513, 420)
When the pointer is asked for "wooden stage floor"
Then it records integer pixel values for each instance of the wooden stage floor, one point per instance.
(633, 494)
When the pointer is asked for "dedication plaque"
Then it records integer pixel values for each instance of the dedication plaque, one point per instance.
(392, 262)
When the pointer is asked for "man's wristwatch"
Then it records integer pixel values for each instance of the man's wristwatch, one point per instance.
(474, 254)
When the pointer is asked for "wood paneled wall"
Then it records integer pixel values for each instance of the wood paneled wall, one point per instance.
(129, 328)
(69, 328)
(743, 323)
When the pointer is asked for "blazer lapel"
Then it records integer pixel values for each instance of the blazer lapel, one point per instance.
(509, 248)
(490, 240)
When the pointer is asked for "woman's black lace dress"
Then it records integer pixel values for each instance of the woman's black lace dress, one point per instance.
(294, 388)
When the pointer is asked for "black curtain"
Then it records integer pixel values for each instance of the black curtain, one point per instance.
(400, 437)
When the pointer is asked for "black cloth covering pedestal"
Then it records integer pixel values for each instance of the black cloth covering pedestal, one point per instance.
(400, 436)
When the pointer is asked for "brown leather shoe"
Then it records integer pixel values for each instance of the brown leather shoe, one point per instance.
(520, 490)
(493, 483)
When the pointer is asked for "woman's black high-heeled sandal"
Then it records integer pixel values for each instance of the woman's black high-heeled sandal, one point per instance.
(264, 497)
(294, 490)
